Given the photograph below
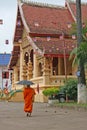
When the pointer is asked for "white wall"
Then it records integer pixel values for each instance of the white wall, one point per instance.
(3, 80)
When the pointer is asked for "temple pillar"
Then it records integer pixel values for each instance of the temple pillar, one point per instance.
(15, 76)
(24, 71)
(13, 79)
(29, 70)
(35, 70)
(59, 66)
(50, 65)
(21, 62)
(46, 72)
(15, 73)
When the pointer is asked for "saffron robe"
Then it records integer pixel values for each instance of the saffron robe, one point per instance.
(28, 99)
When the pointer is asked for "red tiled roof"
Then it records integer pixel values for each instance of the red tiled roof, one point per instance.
(46, 19)
(54, 45)
(14, 56)
(19, 27)
(83, 10)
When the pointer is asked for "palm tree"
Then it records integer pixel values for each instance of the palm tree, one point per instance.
(79, 53)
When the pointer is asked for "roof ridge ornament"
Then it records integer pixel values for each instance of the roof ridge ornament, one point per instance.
(70, 1)
(41, 4)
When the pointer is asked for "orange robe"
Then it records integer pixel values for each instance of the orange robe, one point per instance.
(28, 99)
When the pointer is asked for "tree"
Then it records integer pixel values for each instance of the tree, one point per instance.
(79, 53)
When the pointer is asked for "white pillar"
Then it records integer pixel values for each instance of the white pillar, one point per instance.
(82, 94)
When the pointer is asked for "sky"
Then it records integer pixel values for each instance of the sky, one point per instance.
(8, 12)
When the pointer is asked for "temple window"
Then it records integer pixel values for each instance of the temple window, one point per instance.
(18, 75)
(31, 56)
(26, 57)
(5, 75)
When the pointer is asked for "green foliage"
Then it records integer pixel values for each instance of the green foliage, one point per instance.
(50, 91)
(73, 29)
(74, 54)
(82, 52)
(79, 53)
(84, 31)
(70, 88)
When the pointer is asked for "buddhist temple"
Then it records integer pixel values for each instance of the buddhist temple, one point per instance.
(42, 45)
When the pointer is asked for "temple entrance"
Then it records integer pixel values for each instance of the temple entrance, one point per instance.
(55, 66)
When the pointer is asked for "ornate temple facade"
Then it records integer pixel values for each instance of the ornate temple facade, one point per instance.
(42, 45)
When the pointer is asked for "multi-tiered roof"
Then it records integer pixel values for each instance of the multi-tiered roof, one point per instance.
(44, 25)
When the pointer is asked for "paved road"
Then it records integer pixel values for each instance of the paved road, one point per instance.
(43, 117)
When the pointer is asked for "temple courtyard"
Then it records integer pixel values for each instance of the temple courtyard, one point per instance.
(44, 117)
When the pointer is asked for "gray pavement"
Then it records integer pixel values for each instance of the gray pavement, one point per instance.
(44, 117)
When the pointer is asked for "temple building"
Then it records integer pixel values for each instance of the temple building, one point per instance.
(42, 45)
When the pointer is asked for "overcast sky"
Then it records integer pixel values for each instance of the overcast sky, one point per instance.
(8, 14)
(8, 10)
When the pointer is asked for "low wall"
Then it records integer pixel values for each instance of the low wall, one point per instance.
(17, 97)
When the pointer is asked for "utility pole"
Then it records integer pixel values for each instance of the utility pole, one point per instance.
(81, 77)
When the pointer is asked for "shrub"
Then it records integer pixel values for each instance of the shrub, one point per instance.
(50, 92)
(70, 88)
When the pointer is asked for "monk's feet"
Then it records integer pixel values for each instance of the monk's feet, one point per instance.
(28, 114)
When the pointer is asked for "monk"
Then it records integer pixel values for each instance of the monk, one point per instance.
(28, 99)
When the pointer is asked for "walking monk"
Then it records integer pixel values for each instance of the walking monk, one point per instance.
(28, 99)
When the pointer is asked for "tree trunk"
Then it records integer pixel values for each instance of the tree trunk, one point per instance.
(81, 78)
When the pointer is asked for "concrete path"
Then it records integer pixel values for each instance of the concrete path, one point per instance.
(44, 117)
